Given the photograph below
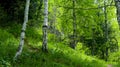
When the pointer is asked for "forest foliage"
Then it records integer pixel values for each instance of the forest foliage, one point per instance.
(85, 32)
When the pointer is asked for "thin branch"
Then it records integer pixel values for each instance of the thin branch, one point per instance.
(87, 8)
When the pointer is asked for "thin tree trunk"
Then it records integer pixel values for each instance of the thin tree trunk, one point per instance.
(106, 54)
(106, 30)
(117, 4)
(93, 41)
(73, 45)
(20, 48)
(103, 56)
(106, 22)
(45, 26)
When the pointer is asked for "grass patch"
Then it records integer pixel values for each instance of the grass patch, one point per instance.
(59, 55)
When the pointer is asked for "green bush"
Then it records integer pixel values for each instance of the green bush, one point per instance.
(7, 48)
(114, 57)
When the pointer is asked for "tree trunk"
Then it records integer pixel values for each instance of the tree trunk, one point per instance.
(106, 30)
(103, 56)
(117, 4)
(73, 44)
(23, 30)
(45, 26)
(106, 22)
(106, 53)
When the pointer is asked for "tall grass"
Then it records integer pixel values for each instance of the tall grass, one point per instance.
(59, 55)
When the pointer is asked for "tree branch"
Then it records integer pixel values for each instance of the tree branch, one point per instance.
(87, 8)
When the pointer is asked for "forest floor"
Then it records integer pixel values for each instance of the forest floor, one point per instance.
(59, 55)
(109, 65)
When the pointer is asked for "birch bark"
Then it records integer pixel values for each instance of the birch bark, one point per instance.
(45, 26)
(20, 48)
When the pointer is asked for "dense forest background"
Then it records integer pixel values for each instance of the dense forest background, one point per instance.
(59, 33)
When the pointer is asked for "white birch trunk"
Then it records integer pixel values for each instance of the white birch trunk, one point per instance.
(20, 48)
(45, 26)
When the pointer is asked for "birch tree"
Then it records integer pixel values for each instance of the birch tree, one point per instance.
(45, 26)
(20, 48)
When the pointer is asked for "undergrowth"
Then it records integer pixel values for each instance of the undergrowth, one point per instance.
(59, 55)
